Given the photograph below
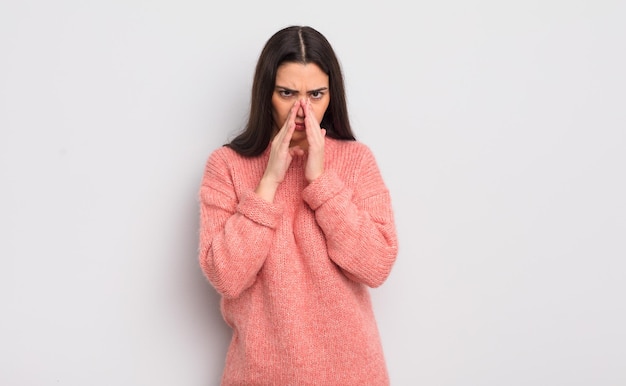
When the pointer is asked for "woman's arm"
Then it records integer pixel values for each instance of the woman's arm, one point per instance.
(235, 236)
(358, 223)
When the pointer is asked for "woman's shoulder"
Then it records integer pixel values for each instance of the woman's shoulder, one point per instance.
(349, 148)
(226, 160)
(221, 159)
(223, 152)
(226, 154)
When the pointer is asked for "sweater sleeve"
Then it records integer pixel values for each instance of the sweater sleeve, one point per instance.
(235, 232)
(358, 224)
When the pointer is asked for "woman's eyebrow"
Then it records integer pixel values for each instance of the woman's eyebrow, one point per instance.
(296, 92)
(318, 89)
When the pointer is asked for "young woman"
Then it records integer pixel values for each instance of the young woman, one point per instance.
(295, 224)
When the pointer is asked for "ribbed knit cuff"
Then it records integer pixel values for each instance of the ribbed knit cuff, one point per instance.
(258, 210)
(322, 189)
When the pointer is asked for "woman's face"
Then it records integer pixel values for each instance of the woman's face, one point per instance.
(296, 81)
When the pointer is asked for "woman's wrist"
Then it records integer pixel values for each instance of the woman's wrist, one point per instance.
(266, 189)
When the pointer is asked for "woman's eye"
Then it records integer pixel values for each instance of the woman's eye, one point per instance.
(285, 93)
(317, 94)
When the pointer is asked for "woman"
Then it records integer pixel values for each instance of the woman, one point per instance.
(295, 224)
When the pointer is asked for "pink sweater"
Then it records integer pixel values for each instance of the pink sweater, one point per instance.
(293, 274)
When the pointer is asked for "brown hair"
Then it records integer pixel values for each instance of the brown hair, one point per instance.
(298, 44)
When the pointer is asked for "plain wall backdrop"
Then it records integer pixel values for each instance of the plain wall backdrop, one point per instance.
(499, 127)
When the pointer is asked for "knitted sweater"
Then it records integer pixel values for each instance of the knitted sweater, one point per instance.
(293, 274)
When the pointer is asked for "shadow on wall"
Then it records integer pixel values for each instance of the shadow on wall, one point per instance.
(209, 334)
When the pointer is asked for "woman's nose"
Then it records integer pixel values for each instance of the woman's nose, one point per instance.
(303, 102)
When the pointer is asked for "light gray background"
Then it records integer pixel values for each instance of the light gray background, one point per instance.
(499, 128)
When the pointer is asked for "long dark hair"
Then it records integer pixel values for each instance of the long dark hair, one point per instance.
(298, 44)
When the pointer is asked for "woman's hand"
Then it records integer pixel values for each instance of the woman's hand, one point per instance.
(280, 157)
(315, 137)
